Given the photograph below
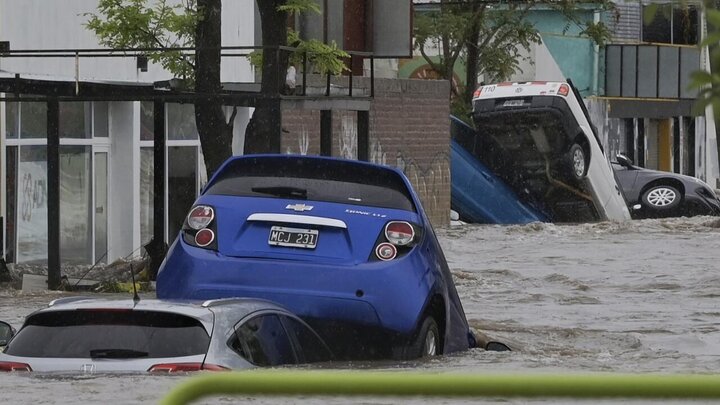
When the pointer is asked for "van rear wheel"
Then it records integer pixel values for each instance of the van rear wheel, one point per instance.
(577, 161)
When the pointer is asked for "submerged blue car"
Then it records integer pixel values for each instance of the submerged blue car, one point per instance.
(344, 244)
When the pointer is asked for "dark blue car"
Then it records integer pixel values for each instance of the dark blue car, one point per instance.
(479, 195)
(344, 244)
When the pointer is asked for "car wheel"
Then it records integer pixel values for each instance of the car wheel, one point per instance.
(661, 197)
(427, 340)
(577, 161)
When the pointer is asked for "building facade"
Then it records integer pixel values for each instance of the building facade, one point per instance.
(106, 148)
(635, 87)
(647, 100)
(106, 155)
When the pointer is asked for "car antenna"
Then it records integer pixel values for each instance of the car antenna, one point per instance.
(136, 297)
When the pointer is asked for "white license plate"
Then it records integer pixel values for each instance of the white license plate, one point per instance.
(513, 103)
(293, 237)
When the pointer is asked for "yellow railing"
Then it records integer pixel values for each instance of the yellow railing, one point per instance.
(363, 383)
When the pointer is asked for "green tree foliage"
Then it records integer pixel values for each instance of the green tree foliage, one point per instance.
(135, 24)
(490, 37)
(323, 58)
(167, 25)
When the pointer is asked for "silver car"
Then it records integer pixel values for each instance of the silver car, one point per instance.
(95, 335)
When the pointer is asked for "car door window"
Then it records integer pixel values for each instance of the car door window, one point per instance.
(310, 348)
(262, 340)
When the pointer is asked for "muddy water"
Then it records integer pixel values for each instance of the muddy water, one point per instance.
(641, 296)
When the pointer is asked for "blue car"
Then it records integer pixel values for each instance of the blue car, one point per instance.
(477, 194)
(344, 244)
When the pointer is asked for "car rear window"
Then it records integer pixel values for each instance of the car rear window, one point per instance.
(109, 334)
(317, 180)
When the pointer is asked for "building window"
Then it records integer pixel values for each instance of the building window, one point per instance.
(27, 184)
(183, 160)
(31, 208)
(101, 119)
(11, 121)
(75, 201)
(182, 185)
(181, 122)
(33, 120)
(75, 120)
(146, 121)
(671, 23)
(146, 194)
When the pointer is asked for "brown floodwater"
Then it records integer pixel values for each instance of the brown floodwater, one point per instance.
(632, 297)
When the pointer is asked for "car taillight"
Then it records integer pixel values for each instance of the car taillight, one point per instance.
(564, 90)
(8, 366)
(399, 233)
(477, 92)
(396, 239)
(200, 217)
(385, 251)
(200, 228)
(204, 237)
(183, 367)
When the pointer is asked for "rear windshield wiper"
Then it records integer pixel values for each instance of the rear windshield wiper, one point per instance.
(116, 354)
(282, 191)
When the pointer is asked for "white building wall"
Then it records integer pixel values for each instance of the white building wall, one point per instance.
(50, 24)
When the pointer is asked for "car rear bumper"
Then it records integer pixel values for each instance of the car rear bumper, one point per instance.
(374, 295)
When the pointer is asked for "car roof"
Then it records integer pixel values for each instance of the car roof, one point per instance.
(271, 156)
(198, 309)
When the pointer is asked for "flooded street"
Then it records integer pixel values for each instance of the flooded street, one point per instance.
(640, 296)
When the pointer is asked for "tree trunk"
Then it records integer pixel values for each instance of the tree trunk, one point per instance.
(215, 132)
(263, 134)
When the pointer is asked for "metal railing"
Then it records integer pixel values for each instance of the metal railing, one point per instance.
(226, 52)
(399, 384)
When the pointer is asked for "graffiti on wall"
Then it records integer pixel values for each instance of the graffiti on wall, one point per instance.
(427, 179)
(303, 140)
(348, 137)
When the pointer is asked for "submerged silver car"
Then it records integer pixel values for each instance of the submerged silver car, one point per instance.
(91, 335)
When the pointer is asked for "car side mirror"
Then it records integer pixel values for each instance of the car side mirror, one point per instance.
(6, 332)
(454, 216)
(624, 160)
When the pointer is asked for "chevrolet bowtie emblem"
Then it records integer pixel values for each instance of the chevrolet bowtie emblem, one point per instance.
(299, 207)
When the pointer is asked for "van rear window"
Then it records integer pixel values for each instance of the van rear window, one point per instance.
(317, 180)
(109, 334)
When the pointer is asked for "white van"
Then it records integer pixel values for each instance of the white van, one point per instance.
(537, 136)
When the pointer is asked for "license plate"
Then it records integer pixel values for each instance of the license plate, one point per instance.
(513, 103)
(293, 237)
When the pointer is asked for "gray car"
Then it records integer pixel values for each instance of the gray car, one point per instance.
(95, 335)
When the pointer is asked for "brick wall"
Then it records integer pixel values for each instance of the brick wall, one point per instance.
(409, 129)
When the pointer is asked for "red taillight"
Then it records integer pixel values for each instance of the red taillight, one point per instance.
(385, 251)
(8, 366)
(477, 92)
(183, 367)
(200, 217)
(399, 233)
(204, 237)
(564, 90)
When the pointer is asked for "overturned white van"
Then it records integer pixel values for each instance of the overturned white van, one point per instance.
(537, 137)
